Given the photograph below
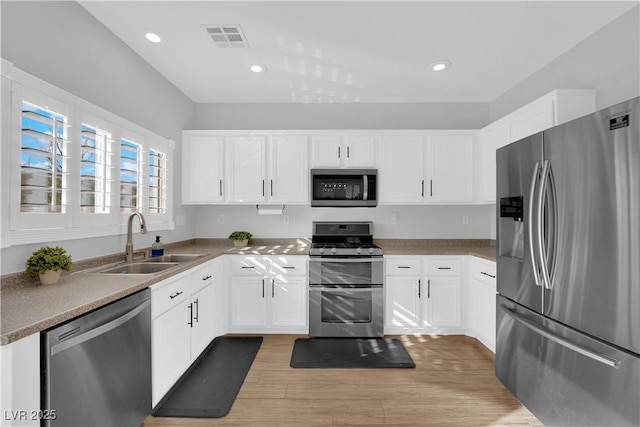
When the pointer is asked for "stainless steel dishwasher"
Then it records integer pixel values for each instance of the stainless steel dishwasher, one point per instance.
(96, 369)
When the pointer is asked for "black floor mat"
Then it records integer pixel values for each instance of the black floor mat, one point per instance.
(350, 353)
(209, 388)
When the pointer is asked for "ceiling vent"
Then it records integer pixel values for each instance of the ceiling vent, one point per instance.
(227, 36)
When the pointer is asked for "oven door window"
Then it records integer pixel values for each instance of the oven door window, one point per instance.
(346, 305)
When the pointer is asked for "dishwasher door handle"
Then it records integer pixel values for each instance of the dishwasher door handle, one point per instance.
(102, 329)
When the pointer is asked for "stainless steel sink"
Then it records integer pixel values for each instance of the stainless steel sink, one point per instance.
(138, 268)
(173, 258)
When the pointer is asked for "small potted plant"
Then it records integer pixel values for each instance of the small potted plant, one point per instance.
(47, 263)
(240, 238)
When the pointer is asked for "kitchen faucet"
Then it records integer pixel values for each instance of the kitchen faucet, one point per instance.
(128, 257)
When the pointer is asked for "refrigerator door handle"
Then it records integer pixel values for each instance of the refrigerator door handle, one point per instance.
(532, 197)
(602, 358)
(546, 278)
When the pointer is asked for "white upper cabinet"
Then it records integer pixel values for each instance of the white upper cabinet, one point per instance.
(552, 109)
(343, 151)
(401, 172)
(202, 168)
(219, 167)
(450, 168)
(246, 161)
(426, 168)
(289, 169)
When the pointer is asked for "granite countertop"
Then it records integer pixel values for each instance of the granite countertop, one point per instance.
(28, 308)
(481, 248)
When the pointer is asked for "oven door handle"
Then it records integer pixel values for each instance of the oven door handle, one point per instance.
(366, 288)
(346, 260)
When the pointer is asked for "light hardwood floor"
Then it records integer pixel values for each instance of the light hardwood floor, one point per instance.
(453, 384)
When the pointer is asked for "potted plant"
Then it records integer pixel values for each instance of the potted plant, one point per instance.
(47, 263)
(240, 238)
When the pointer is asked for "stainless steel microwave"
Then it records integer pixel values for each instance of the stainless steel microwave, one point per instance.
(344, 187)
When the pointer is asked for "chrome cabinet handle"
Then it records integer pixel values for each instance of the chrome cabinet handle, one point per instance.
(419, 288)
(271, 187)
(429, 288)
(262, 288)
(176, 294)
(487, 274)
(220, 188)
(422, 191)
(273, 288)
(263, 188)
(197, 304)
(430, 188)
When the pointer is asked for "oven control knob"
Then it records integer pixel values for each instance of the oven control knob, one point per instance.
(358, 250)
(321, 250)
(334, 250)
(370, 250)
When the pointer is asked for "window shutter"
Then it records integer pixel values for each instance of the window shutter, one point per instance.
(43, 160)
(157, 182)
(95, 170)
(129, 175)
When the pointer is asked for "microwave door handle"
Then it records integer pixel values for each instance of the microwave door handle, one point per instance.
(365, 195)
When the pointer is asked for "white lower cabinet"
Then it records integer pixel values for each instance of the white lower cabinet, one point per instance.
(183, 311)
(268, 294)
(170, 334)
(423, 295)
(482, 301)
(20, 382)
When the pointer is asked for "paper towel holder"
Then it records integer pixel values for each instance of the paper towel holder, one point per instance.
(270, 210)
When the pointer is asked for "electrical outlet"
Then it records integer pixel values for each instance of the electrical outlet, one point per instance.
(465, 219)
(220, 219)
(394, 218)
(285, 220)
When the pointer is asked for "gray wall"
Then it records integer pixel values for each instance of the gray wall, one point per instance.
(608, 61)
(342, 116)
(414, 222)
(61, 43)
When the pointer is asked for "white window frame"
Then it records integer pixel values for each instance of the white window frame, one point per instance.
(19, 228)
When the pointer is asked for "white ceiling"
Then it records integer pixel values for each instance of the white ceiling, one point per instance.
(354, 51)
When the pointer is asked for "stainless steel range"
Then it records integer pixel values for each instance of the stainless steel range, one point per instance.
(346, 275)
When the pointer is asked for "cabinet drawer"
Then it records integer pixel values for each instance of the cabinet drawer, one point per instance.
(201, 277)
(444, 267)
(402, 267)
(484, 271)
(167, 295)
(289, 266)
(249, 266)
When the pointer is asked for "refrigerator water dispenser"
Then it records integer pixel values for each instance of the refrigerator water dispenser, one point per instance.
(511, 225)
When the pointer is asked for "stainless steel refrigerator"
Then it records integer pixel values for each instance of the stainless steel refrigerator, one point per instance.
(568, 303)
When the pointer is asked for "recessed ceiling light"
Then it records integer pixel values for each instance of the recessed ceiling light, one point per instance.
(440, 65)
(153, 37)
(258, 68)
